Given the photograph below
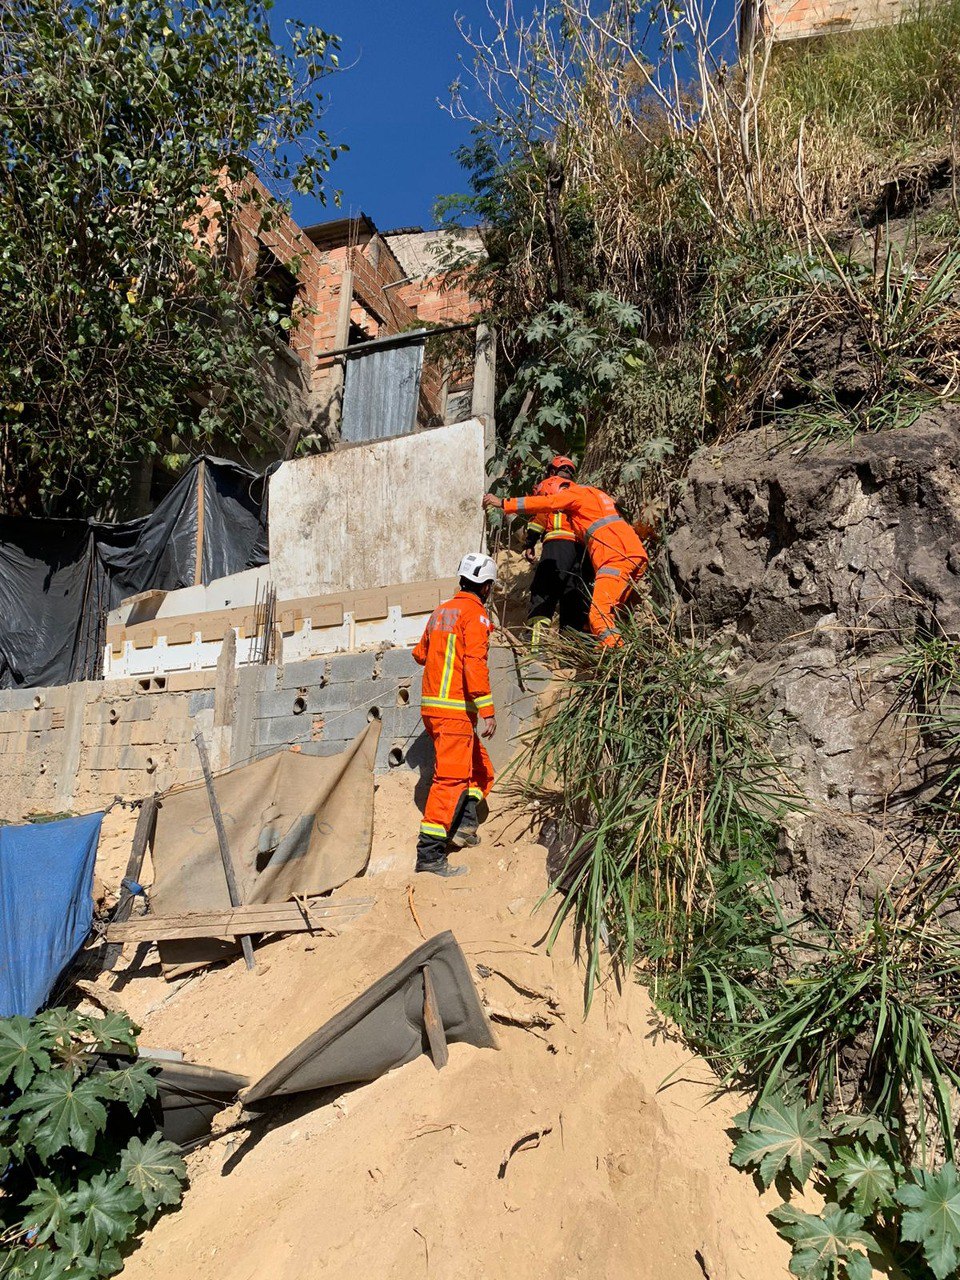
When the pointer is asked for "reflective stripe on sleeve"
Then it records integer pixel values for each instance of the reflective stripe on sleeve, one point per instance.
(484, 700)
(611, 573)
(521, 505)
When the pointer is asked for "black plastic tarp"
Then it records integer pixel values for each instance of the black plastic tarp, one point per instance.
(60, 578)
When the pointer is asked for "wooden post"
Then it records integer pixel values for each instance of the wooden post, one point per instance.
(483, 400)
(228, 868)
(201, 486)
(141, 838)
(436, 1035)
(341, 339)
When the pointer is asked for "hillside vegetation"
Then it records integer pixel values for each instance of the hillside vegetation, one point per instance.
(686, 249)
(667, 227)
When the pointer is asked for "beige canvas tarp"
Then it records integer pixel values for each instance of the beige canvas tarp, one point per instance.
(296, 824)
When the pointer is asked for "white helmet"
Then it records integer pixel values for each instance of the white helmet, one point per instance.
(477, 568)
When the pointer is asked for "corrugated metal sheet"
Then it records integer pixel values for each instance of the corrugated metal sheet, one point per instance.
(380, 393)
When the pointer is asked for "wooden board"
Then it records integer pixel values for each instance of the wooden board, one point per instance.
(142, 836)
(266, 917)
(436, 1035)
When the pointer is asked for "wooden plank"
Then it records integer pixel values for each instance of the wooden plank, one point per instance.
(268, 917)
(228, 869)
(436, 1035)
(316, 906)
(142, 834)
(227, 921)
(243, 929)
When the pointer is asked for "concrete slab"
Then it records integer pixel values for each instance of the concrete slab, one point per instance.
(353, 495)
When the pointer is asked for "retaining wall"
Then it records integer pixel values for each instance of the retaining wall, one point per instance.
(76, 747)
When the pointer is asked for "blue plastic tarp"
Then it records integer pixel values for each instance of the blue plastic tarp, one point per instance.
(46, 906)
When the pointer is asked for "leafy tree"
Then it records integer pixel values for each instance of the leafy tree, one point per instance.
(82, 1168)
(128, 133)
(573, 360)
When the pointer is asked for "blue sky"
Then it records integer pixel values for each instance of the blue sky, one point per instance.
(399, 57)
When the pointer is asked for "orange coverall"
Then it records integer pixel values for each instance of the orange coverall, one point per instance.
(555, 527)
(615, 550)
(456, 690)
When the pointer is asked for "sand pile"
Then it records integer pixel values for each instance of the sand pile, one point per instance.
(405, 1177)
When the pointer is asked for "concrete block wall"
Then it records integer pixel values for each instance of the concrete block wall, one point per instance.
(74, 748)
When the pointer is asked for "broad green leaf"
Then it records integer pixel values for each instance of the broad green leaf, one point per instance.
(25, 1264)
(868, 1126)
(23, 1051)
(932, 1217)
(58, 1110)
(48, 1209)
(115, 1031)
(131, 1085)
(156, 1172)
(865, 1175)
(81, 1262)
(105, 1208)
(60, 1023)
(779, 1136)
(825, 1242)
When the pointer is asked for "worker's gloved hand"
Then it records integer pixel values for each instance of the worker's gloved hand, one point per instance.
(490, 500)
(488, 727)
(530, 555)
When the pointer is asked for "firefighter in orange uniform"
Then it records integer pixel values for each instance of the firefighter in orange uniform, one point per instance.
(615, 550)
(456, 696)
(558, 582)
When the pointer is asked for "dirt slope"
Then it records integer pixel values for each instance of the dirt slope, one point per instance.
(399, 1178)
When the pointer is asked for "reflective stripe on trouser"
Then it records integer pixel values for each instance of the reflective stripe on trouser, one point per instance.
(611, 589)
(462, 767)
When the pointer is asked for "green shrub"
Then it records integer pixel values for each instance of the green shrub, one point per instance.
(669, 792)
(82, 1166)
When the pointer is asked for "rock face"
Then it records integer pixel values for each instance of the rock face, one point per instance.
(859, 540)
(817, 568)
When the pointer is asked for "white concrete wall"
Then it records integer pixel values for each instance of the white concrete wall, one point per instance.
(391, 511)
(223, 593)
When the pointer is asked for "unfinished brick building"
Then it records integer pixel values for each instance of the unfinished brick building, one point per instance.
(374, 336)
(361, 307)
(784, 20)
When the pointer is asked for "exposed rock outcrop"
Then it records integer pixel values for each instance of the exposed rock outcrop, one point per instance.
(816, 568)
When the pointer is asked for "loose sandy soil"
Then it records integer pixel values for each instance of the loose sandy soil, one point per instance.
(399, 1178)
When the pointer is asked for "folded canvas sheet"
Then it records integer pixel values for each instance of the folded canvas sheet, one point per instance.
(384, 1027)
(295, 824)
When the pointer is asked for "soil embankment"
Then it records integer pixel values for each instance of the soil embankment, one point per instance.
(400, 1178)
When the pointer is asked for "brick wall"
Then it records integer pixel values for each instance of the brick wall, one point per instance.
(380, 309)
(798, 19)
(293, 250)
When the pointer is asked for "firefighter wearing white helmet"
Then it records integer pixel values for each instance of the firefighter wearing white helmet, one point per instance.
(457, 706)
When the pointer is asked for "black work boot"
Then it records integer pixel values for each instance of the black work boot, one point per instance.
(432, 855)
(464, 831)
(441, 867)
